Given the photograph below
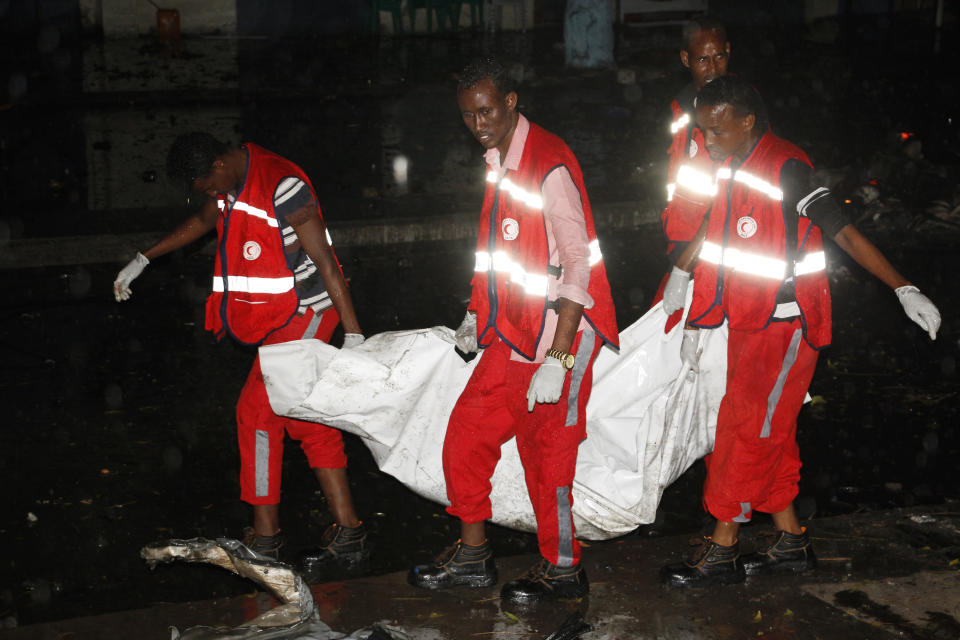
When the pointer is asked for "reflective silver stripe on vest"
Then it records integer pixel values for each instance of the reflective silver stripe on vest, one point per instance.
(679, 123)
(760, 265)
(692, 180)
(254, 285)
(256, 213)
(532, 200)
(534, 284)
(751, 181)
(789, 359)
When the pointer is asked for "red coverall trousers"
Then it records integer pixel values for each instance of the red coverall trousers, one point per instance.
(260, 431)
(755, 462)
(491, 410)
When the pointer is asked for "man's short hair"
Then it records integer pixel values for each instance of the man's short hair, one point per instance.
(191, 156)
(739, 94)
(484, 68)
(696, 24)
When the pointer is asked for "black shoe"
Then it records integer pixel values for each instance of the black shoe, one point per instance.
(265, 546)
(338, 545)
(458, 564)
(788, 552)
(710, 563)
(546, 581)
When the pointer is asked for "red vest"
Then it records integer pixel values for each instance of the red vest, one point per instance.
(745, 259)
(510, 281)
(253, 287)
(689, 178)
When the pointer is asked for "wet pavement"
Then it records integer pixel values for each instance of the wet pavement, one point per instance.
(881, 575)
(121, 416)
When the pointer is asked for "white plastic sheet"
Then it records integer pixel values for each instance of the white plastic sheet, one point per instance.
(645, 426)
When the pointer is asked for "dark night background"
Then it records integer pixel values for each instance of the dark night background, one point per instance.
(119, 427)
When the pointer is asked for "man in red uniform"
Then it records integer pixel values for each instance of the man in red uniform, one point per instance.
(540, 309)
(761, 267)
(275, 279)
(705, 51)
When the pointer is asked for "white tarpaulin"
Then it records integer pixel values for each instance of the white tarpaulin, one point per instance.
(645, 426)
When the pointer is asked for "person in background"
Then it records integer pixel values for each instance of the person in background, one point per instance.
(705, 52)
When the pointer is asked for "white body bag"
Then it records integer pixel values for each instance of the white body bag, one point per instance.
(645, 426)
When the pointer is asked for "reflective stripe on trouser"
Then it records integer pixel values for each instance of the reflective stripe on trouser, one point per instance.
(755, 464)
(491, 410)
(260, 431)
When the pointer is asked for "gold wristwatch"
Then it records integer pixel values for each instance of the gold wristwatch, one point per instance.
(566, 359)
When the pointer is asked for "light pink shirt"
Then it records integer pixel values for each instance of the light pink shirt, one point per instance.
(566, 234)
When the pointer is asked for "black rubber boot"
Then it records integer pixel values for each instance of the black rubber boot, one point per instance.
(459, 564)
(545, 581)
(710, 563)
(265, 546)
(789, 552)
(338, 545)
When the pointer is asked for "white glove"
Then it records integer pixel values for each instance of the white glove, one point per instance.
(675, 292)
(467, 333)
(919, 309)
(351, 340)
(689, 355)
(121, 286)
(547, 383)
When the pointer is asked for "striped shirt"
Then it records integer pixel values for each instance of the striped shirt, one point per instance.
(291, 195)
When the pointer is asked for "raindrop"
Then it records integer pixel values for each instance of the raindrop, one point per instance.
(931, 442)
(113, 395)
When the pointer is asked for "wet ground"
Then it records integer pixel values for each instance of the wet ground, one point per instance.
(120, 428)
(881, 575)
